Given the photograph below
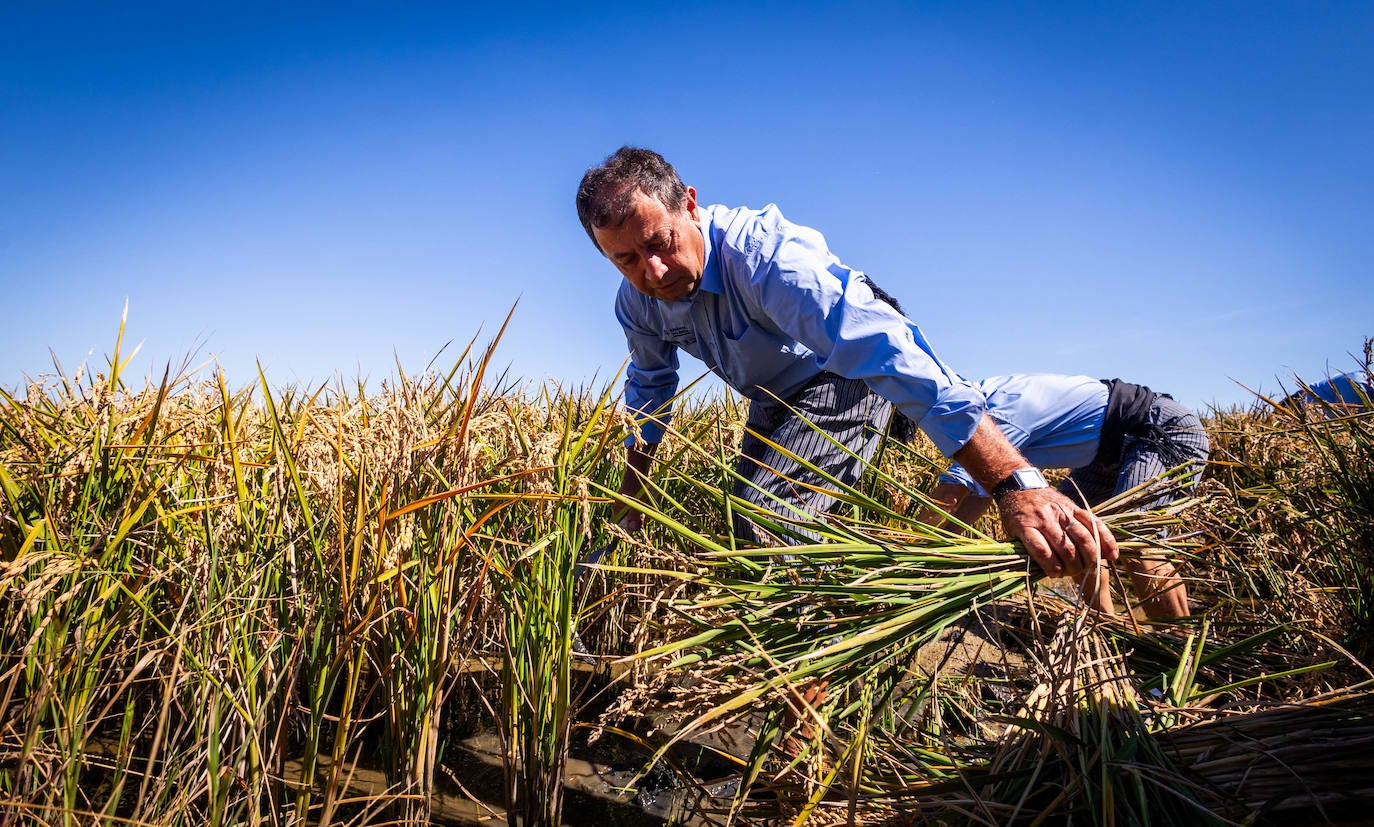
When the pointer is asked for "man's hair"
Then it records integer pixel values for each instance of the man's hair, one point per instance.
(604, 196)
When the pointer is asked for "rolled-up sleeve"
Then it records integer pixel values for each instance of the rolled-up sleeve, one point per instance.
(831, 309)
(651, 378)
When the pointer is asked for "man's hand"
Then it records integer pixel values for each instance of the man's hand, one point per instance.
(637, 462)
(1064, 539)
(624, 516)
(1059, 535)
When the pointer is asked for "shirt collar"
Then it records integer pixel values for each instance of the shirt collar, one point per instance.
(711, 280)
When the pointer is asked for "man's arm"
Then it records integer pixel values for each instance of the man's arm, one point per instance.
(1059, 535)
(956, 501)
(650, 385)
(971, 508)
(638, 458)
(801, 289)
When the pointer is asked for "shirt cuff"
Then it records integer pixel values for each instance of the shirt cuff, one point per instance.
(958, 476)
(647, 431)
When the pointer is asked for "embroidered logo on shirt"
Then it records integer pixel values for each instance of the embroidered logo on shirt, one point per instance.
(681, 336)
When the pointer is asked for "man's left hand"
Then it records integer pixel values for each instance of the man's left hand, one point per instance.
(1063, 538)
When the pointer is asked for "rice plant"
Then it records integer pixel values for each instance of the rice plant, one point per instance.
(220, 606)
(282, 606)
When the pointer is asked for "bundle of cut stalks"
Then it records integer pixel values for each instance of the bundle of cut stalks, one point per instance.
(1080, 749)
(857, 606)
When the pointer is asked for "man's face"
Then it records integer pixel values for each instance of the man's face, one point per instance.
(661, 253)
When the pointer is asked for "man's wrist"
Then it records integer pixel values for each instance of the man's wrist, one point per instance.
(1022, 479)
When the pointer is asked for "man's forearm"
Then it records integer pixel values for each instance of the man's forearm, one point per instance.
(988, 456)
(637, 461)
(638, 458)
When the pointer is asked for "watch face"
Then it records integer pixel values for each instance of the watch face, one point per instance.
(1029, 478)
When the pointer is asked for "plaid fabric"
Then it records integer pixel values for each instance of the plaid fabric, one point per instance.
(1175, 437)
(842, 409)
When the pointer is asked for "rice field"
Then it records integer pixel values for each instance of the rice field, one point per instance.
(230, 603)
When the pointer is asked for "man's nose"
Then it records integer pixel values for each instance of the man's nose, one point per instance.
(654, 268)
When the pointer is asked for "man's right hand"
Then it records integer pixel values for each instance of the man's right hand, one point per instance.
(1063, 538)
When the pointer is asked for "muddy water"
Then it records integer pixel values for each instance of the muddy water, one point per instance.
(596, 787)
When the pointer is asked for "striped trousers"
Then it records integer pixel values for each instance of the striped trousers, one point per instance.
(1175, 437)
(828, 408)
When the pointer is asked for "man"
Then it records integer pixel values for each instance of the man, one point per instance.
(767, 307)
(1114, 435)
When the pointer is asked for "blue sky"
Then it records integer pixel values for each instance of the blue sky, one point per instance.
(1178, 194)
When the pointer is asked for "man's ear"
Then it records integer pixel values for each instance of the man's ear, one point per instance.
(691, 204)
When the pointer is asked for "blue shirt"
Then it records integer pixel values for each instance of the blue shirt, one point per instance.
(1055, 421)
(1342, 389)
(775, 308)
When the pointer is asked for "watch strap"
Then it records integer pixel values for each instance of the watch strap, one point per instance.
(1022, 479)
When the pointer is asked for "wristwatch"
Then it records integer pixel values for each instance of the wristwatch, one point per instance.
(1022, 479)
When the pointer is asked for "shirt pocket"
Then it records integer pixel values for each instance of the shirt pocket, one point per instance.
(755, 356)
